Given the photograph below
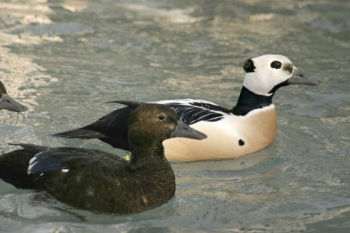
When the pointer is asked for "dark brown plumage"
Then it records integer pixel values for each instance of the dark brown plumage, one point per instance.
(95, 180)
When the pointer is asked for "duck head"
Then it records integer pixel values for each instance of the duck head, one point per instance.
(151, 124)
(266, 73)
(6, 102)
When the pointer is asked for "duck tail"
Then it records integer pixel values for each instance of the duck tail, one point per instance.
(80, 133)
(14, 165)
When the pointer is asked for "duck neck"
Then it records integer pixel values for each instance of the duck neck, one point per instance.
(249, 101)
(142, 156)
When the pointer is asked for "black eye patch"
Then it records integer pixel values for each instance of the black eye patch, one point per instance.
(249, 66)
(276, 64)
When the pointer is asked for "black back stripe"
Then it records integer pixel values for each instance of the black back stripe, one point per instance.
(194, 112)
(211, 107)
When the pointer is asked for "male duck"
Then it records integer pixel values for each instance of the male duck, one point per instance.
(95, 180)
(6, 102)
(246, 128)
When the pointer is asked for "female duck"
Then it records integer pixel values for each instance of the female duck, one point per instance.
(246, 128)
(6, 102)
(95, 180)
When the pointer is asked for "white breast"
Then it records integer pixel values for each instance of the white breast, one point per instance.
(230, 137)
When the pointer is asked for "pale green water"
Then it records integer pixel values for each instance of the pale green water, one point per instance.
(65, 59)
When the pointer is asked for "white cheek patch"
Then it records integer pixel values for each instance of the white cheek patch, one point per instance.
(256, 84)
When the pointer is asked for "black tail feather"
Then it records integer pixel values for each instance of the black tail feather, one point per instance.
(30, 147)
(80, 133)
(14, 165)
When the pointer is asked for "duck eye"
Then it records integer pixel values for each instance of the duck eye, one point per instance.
(161, 117)
(276, 64)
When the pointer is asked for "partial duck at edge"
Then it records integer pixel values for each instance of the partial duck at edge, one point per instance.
(8, 103)
(246, 128)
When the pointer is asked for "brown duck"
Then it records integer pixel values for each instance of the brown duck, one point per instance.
(95, 180)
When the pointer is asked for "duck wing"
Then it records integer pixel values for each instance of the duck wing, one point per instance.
(88, 179)
(22, 168)
(84, 178)
(191, 111)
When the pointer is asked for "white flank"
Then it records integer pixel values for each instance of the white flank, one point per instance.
(255, 130)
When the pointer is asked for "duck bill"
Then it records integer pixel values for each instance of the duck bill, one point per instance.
(6, 102)
(299, 78)
(184, 131)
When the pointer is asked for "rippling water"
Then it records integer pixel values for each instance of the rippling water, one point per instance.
(65, 59)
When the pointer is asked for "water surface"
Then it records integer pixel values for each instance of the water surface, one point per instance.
(65, 59)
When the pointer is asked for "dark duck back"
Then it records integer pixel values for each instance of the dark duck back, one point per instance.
(95, 180)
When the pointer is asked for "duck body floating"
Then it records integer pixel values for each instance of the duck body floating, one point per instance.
(8, 103)
(246, 128)
(95, 180)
